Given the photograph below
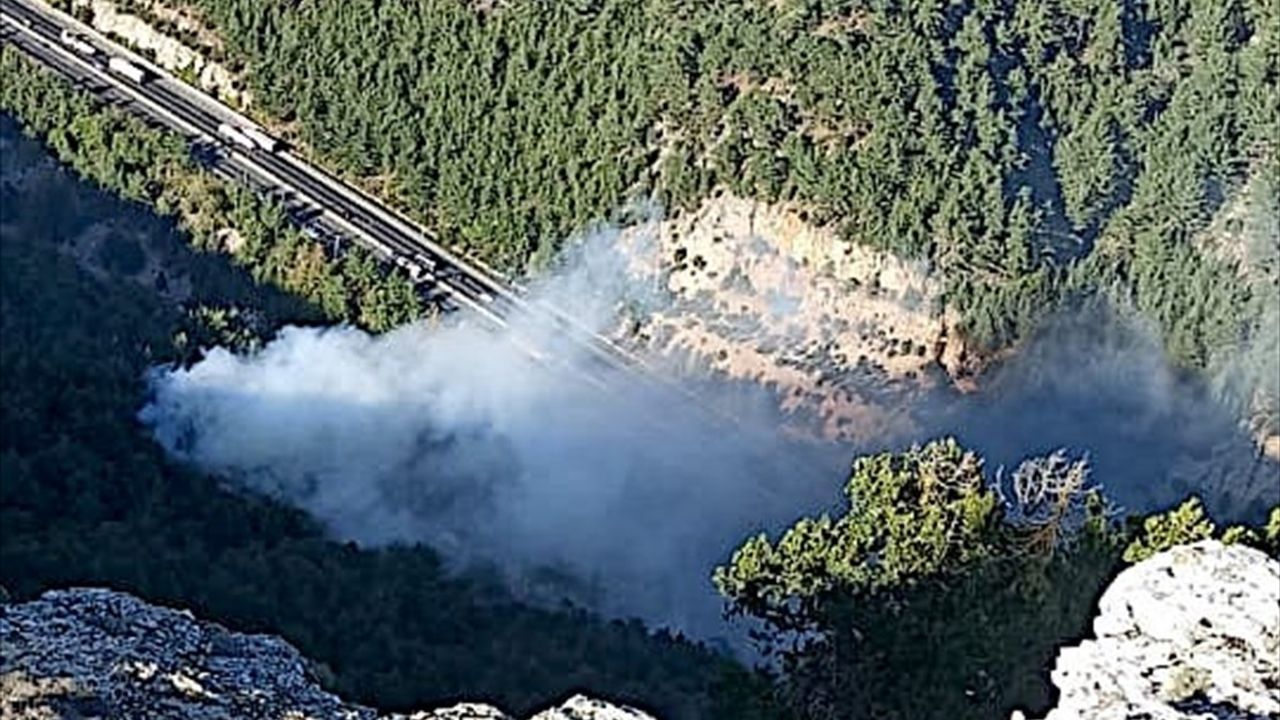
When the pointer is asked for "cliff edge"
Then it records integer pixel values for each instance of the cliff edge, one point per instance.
(1191, 633)
(91, 653)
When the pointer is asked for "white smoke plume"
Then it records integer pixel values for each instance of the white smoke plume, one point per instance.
(1248, 376)
(456, 436)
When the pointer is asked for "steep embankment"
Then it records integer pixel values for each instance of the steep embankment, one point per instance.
(754, 293)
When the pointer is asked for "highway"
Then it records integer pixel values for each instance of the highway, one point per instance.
(325, 206)
(332, 211)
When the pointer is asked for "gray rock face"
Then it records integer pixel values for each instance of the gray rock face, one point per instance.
(1191, 633)
(90, 653)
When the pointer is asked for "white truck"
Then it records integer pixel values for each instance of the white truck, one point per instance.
(261, 139)
(235, 135)
(122, 67)
(77, 43)
(248, 137)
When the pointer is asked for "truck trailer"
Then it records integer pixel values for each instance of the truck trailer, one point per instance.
(77, 43)
(124, 68)
(261, 139)
(232, 133)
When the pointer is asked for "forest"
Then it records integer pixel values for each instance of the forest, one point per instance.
(1027, 151)
(148, 165)
(88, 498)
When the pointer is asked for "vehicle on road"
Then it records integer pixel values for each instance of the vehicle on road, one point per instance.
(446, 304)
(76, 42)
(414, 269)
(237, 136)
(261, 139)
(124, 68)
(425, 261)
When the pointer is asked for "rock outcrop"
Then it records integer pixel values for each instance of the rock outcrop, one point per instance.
(755, 292)
(1191, 633)
(90, 653)
(173, 39)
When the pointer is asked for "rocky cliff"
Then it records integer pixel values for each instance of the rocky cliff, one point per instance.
(89, 653)
(1191, 633)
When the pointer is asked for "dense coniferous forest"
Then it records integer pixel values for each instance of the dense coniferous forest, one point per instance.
(1000, 141)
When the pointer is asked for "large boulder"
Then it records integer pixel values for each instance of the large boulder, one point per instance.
(1190, 633)
(91, 653)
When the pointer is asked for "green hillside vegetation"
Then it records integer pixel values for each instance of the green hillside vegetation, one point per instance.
(149, 165)
(1001, 141)
(88, 498)
(940, 592)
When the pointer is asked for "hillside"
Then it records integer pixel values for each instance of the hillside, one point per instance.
(1020, 155)
(1000, 143)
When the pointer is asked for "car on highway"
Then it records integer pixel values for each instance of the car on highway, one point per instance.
(425, 261)
(261, 139)
(414, 269)
(235, 135)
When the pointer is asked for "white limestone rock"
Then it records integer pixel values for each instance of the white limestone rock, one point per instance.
(1192, 633)
(580, 707)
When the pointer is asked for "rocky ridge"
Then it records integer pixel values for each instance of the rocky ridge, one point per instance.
(1192, 633)
(93, 653)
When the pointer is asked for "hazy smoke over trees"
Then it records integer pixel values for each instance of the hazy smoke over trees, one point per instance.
(456, 436)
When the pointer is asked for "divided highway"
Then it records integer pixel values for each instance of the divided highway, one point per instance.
(239, 148)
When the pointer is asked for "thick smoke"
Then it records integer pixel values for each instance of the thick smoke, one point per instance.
(460, 437)
(1096, 382)
(517, 448)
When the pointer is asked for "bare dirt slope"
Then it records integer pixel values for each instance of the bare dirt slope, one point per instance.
(758, 294)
